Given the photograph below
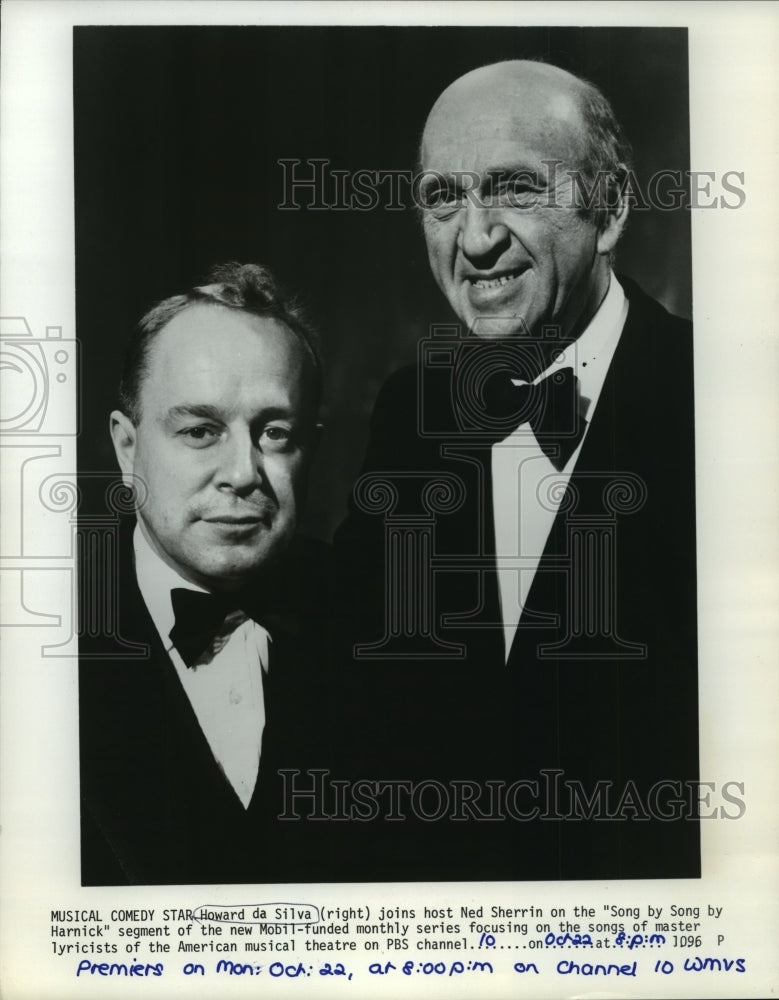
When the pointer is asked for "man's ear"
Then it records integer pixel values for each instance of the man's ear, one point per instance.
(123, 435)
(617, 216)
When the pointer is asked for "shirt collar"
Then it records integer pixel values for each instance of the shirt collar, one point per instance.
(591, 353)
(156, 579)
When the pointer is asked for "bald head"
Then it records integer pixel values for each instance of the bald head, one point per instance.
(509, 87)
(553, 110)
(510, 153)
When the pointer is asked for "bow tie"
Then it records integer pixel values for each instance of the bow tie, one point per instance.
(551, 407)
(200, 617)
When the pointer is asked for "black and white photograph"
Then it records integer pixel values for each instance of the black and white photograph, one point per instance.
(493, 508)
(377, 523)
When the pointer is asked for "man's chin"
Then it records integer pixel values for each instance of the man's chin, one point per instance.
(234, 577)
(499, 328)
(233, 567)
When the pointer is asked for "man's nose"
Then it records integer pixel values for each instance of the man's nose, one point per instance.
(483, 234)
(241, 469)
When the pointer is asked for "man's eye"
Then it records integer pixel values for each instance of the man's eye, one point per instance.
(518, 194)
(200, 434)
(276, 436)
(440, 197)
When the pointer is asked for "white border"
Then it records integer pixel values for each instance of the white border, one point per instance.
(734, 80)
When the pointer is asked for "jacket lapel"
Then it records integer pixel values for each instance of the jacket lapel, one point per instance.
(616, 443)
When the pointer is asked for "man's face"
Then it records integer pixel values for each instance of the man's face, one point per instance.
(514, 254)
(222, 445)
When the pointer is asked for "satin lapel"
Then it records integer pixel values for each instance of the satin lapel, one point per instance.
(613, 444)
(148, 774)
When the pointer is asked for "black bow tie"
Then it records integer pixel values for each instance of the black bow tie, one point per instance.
(200, 616)
(551, 407)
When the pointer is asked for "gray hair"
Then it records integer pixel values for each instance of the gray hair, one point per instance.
(608, 156)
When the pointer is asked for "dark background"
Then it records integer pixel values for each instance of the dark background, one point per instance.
(177, 136)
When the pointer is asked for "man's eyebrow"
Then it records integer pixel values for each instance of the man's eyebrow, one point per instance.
(202, 410)
(534, 173)
(529, 170)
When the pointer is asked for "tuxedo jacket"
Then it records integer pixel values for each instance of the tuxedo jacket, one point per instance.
(155, 806)
(595, 706)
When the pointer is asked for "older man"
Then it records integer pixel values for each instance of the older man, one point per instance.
(534, 627)
(215, 431)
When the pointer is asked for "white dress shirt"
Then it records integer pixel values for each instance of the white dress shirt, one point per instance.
(527, 488)
(225, 686)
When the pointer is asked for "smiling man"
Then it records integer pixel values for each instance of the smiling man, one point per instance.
(508, 241)
(527, 590)
(215, 432)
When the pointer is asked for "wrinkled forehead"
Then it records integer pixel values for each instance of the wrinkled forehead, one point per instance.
(522, 122)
